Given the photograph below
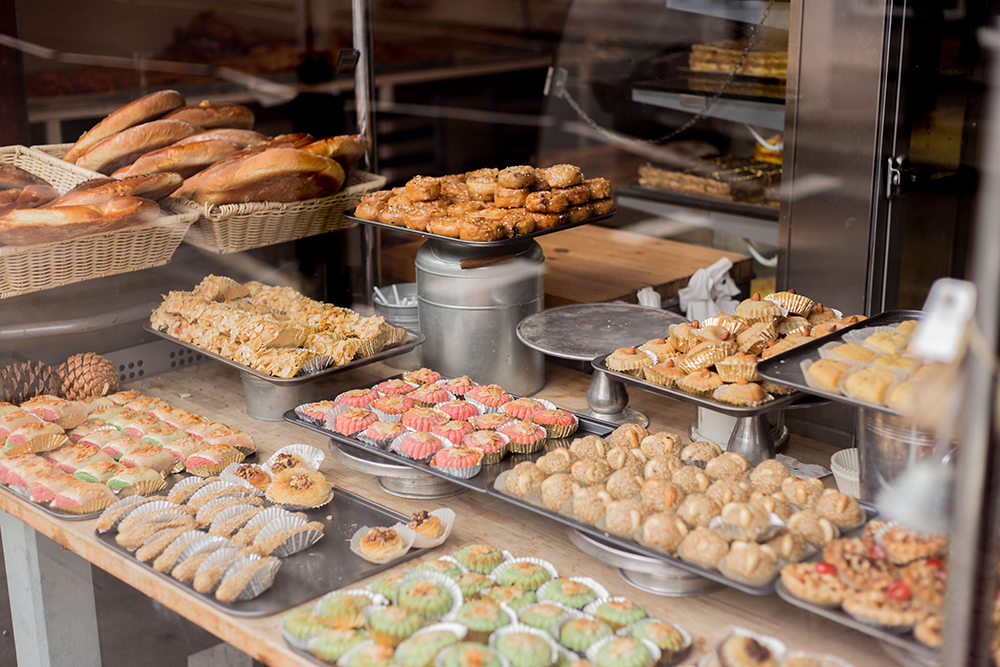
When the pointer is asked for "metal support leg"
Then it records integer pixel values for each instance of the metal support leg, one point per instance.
(51, 600)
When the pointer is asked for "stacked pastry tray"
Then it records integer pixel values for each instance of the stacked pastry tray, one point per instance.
(486, 482)
(323, 567)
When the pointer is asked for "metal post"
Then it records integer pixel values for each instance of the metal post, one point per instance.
(972, 562)
(364, 97)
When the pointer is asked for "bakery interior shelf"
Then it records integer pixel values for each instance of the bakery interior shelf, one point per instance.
(744, 11)
(762, 112)
(707, 213)
(743, 209)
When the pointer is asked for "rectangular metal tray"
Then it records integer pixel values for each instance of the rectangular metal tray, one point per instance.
(327, 565)
(702, 402)
(415, 338)
(786, 368)
(502, 244)
(756, 211)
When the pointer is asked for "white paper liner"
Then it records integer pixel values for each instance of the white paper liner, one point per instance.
(384, 443)
(202, 513)
(152, 506)
(188, 481)
(859, 335)
(242, 507)
(824, 659)
(385, 416)
(103, 526)
(216, 558)
(571, 614)
(346, 658)
(300, 412)
(457, 629)
(686, 640)
(331, 417)
(394, 446)
(229, 513)
(599, 590)
(184, 538)
(888, 391)
(211, 487)
(772, 644)
(813, 383)
(447, 583)
(497, 573)
(591, 609)
(202, 545)
(827, 352)
(485, 409)
(519, 628)
(442, 656)
(228, 475)
(595, 648)
(356, 547)
(446, 516)
(267, 516)
(730, 532)
(461, 473)
(260, 582)
(557, 631)
(294, 543)
(311, 455)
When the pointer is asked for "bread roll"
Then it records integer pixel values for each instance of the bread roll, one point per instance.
(142, 110)
(125, 147)
(278, 174)
(242, 138)
(345, 149)
(32, 196)
(8, 200)
(186, 160)
(47, 225)
(208, 115)
(14, 177)
(101, 190)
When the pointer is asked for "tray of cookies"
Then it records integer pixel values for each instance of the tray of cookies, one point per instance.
(887, 582)
(490, 208)
(867, 364)
(244, 554)
(72, 459)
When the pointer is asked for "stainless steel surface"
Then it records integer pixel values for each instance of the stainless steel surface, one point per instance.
(403, 316)
(268, 401)
(608, 400)
(718, 428)
(832, 130)
(645, 573)
(751, 439)
(583, 331)
(398, 480)
(771, 116)
(888, 445)
(470, 316)
(327, 565)
(362, 29)
(78, 325)
(624, 416)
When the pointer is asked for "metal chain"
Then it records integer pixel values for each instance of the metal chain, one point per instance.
(562, 92)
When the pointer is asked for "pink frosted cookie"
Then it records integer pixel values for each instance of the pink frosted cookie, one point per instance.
(419, 445)
(458, 461)
(423, 419)
(316, 412)
(490, 443)
(459, 409)
(490, 397)
(491, 422)
(381, 434)
(422, 376)
(557, 423)
(525, 436)
(458, 386)
(353, 420)
(358, 398)
(390, 408)
(395, 387)
(430, 395)
(523, 408)
(453, 430)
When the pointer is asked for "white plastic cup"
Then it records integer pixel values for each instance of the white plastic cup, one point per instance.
(847, 471)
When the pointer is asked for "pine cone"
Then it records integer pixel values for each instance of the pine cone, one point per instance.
(87, 375)
(21, 381)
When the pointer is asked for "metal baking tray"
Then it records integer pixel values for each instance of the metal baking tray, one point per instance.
(483, 482)
(170, 479)
(757, 211)
(327, 565)
(679, 81)
(786, 368)
(702, 402)
(502, 244)
(415, 338)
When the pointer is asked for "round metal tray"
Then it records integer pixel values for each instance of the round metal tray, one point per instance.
(396, 480)
(645, 573)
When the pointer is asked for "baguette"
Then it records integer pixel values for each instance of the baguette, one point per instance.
(186, 160)
(141, 110)
(210, 116)
(32, 196)
(278, 174)
(48, 225)
(345, 148)
(242, 138)
(124, 148)
(101, 190)
(12, 177)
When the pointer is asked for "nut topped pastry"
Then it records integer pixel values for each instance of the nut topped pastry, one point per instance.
(593, 471)
(300, 487)
(698, 510)
(254, 474)
(380, 543)
(691, 479)
(664, 530)
(426, 524)
(701, 451)
(790, 547)
(623, 484)
(756, 309)
(727, 465)
(775, 503)
(802, 492)
(661, 444)
(557, 490)
(749, 563)
(768, 475)
(660, 495)
(660, 348)
(627, 435)
(623, 517)
(703, 547)
(816, 530)
(742, 521)
(588, 447)
(725, 491)
(590, 503)
(700, 383)
(841, 509)
(739, 651)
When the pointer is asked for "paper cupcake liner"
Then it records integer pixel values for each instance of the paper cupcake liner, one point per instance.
(571, 615)
(311, 455)
(70, 420)
(229, 513)
(595, 648)
(457, 629)
(387, 416)
(218, 557)
(599, 590)
(813, 383)
(206, 489)
(669, 656)
(204, 512)
(146, 487)
(442, 656)
(730, 324)
(497, 572)
(297, 508)
(86, 508)
(483, 408)
(267, 516)
(557, 431)
(261, 580)
(734, 372)
(116, 511)
(447, 583)
(211, 470)
(150, 506)
(858, 336)
(294, 543)
(316, 421)
(397, 441)
(527, 448)
(382, 444)
(546, 403)
(377, 599)
(826, 352)
(848, 374)
(749, 404)
(519, 628)
(775, 646)
(592, 607)
(41, 443)
(795, 304)
(467, 472)
(429, 404)
(356, 547)
(205, 544)
(446, 516)
(228, 475)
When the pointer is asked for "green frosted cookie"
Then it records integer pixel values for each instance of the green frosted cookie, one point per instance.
(471, 654)
(482, 616)
(480, 557)
(428, 598)
(335, 642)
(301, 623)
(393, 624)
(523, 649)
(570, 593)
(623, 652)
(372, 655)
(473, 582)
(514, 597)
(619, 613)
(527, 575)
(443, 566)
(664, 635)
(578, 635)
(387, 584)
(544, 616)
(420, 649)
(342, 605)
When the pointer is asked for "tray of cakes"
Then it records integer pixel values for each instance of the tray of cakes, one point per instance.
(258, 539)
(888, 582)
(480, 606)
(73, 459)
(490, 208)
(713, 363)
(867, 364)
(275, 334)
(453, 428)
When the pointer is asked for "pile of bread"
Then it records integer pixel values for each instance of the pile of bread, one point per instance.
(491, 204)
(214, 150)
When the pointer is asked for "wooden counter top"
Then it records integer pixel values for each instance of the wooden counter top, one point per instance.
(215, 391)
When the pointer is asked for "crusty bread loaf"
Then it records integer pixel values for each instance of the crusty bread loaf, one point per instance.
(141, 110)
(345, 148)
(32, 226)
(242, 138)
(186, 160)
(12, 176)
(101, 190)
(125, 147)
(208, 115)
(279, 174)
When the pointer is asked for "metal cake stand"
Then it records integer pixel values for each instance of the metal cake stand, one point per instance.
(583, 331)
(396, 480)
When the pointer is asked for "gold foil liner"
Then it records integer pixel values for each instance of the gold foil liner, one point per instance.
(632, 365)
(529, 448)
(70, 421)
(94, 506)
(372, 345)
(734, 372)
(146, 487)
(657, 378)
(793, 324)
(208, 471)
(235, 291)
(730, 323)
(41, 443)
(795, 304)
(704, 358)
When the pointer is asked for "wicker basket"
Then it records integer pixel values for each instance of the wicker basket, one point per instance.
(31, 268)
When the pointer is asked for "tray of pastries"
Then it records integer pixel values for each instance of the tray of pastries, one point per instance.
(713, 363)
(75, 458)
(867, 364)
(256, 540)
(766, 58)
(275, 333)
(726, 178)
(493, 208)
